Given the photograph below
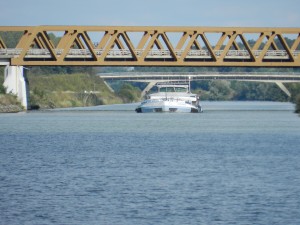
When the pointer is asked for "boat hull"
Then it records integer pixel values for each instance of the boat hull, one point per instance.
(167, 106)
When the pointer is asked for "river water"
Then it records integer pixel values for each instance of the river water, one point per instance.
(236, 163)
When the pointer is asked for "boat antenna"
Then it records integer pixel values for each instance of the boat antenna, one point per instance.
(189, 84)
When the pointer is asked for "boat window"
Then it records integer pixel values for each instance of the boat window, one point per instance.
(173, 89)
(180, 89)
(166, 89)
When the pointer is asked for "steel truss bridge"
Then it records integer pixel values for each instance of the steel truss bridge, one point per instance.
(151, 46)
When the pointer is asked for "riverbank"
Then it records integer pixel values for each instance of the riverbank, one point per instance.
(9, 104)
(10, 109)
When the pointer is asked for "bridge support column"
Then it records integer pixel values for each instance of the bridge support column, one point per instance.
(108, 86)
(16, 83)
(283, 88)
(149, 86)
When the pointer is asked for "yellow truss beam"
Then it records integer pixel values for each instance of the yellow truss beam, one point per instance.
(2, 45)
(168, 52)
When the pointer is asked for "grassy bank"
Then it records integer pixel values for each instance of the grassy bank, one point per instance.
(69, 90)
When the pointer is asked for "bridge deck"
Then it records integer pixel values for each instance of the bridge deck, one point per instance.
(153, 54)
(163, 76)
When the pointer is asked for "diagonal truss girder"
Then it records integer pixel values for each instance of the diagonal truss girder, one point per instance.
(155, 46)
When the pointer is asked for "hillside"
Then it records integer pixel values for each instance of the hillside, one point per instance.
(69, 90)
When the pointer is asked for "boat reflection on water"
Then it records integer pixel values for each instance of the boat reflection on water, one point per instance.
(171, 97)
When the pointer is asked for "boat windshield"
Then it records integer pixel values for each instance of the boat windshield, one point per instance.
(173, 89)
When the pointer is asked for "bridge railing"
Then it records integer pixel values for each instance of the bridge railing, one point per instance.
(9, 53)
(187, 74)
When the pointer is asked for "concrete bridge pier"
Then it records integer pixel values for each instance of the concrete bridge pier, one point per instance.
(16, 83)
(149, 86)
(283, 88)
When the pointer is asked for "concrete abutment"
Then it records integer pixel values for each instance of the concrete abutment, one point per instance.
(15, 82)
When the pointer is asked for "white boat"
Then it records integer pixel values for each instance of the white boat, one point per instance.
(171, 98)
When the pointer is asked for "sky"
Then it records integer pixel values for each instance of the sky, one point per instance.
(223, 13)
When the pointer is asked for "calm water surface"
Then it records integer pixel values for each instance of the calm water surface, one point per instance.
(236, 163)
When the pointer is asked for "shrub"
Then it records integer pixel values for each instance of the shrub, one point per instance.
(2, 89)
(297, 104)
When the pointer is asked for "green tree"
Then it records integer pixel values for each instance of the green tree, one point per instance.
(297, 104)
(2, 88)
(129, 93)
